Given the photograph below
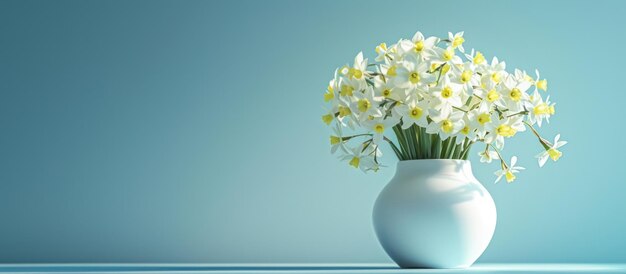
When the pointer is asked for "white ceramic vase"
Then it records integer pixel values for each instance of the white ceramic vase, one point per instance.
(434, 214)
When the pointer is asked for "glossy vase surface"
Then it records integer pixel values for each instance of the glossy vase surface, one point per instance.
(434, 214)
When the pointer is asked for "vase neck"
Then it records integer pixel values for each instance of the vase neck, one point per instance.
(430, 166)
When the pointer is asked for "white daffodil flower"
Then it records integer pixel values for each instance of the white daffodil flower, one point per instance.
(516, 93)
(456, 40)
(505, 128)
(539, 83)
(494, 72)
(538, 109)
(419, 45)
(446, 95)
(446, 124)
(481, 117)
(358, 70)
(344, 114)
(379, 126)
(363, 157)
(328, 117)
(413, 74)
(446, 56)
(465, 76)
(365, 104)
(348, 86)
(381, 51)
(491, 94)
(337, 141)
(413, 113)
(388, 90)
(551, 151)
(508, 172)
(330, 96)
(389, 71)
(477, 58)
(467, 132)
(486, 156)
(521, 75)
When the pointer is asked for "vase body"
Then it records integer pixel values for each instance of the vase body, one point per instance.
(434, 214)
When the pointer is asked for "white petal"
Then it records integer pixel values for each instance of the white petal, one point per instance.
(542, 160)
(418, 37)
(359, 58)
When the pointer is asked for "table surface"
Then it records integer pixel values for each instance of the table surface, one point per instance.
(303, 268)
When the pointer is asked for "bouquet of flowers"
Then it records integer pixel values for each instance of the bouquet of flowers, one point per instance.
(438, 100)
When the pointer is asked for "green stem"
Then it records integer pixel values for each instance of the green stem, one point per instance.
(416, 141)
(402, 141)
(444, 148)
(453, 147)
(457, 150)
(466, 151)
(411, 141)
(436, 146)
(395, 149)
(425, 143)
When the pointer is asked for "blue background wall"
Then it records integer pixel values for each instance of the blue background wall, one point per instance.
(162, 131)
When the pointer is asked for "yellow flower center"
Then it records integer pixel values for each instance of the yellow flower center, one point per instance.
(446, 92)
(457, 41)
(515, 94)
(391, 72)
(355, 162)
(344, 111)
(479, 58)
(484, 118)
(505, 130)
(542, 85)
(386, 92)
(334, 140)
(493, 95)
(541, 109)
(419, 46)
(346, 90)
(379, 128)
(381, 47)
(363, 105)
(510, 177)
(447, 55)
(327, 118)
(465, 130)
(551, 110)
(495, 77)
(554, 153)
(356, 73)
(414, 77)
(446, 126)
(466, 76)
(416, 112)
(329, 96)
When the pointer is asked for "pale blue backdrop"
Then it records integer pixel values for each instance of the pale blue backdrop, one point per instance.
(190, 131)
